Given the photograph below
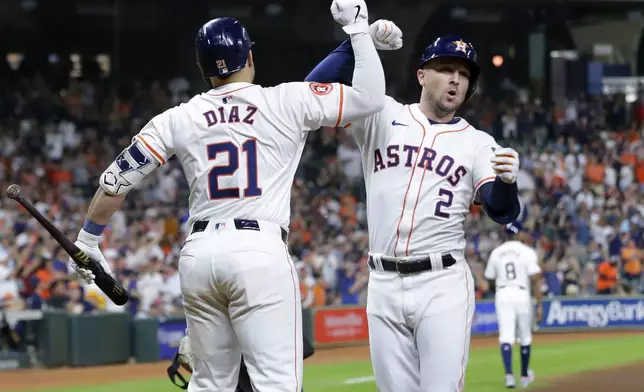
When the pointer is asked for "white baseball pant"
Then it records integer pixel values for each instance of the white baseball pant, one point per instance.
(241, 296)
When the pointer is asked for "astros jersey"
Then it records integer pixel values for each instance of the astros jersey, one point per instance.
(512, 264)
(421, 179)
(240, 144)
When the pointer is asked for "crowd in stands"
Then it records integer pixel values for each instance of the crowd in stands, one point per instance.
(581, 183)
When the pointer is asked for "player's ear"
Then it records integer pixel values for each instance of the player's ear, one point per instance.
(420, 75)
(250, 61)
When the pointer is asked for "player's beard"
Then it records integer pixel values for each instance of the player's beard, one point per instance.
(444, 107)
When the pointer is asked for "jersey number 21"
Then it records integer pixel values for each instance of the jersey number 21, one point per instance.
(249, 149)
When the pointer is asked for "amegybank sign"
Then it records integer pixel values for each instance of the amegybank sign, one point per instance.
(593, 313)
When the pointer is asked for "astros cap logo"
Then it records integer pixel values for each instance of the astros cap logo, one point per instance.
(461, 46)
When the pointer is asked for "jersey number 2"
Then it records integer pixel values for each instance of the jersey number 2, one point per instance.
(252, 189)
(449, 197)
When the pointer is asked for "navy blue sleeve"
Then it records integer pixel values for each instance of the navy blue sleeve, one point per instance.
(336, 67)
(501, 201)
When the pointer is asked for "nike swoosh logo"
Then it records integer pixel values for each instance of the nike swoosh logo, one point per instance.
(397, 124)
(357, 13)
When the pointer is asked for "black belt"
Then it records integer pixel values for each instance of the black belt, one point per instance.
(412, 267)
(518, 287)
(240, 224)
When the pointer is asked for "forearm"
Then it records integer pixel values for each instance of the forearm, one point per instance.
(336, 67)
(501, 201)
(367, 94)
(536, 289)
(101, 209)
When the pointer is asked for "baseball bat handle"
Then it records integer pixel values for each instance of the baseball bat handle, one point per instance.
(103, 280)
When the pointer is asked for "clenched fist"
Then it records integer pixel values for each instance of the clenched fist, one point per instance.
(505, 163)
(352, 15)
(386, 35)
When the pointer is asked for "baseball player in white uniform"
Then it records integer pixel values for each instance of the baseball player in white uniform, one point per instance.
(239, 145)
(423, 168)
(513, 268)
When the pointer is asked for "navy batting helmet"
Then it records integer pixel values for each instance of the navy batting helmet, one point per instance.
(222, 47)
(454, 46)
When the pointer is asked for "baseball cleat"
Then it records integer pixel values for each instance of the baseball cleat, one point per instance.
(525, 381)
(509, 381)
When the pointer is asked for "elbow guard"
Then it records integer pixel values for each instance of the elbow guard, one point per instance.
(128, 170)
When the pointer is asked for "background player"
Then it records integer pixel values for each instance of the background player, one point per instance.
(423, 167)
(513, 268)
(239, 145)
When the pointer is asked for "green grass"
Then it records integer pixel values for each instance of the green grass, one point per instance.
(484, 373)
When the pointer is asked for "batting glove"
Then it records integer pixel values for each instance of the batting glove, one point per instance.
(505, 163)
(386, 35)
(352, 15)
(88, 243)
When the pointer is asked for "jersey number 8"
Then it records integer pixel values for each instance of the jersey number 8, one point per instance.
(510, 271)
(252, 188)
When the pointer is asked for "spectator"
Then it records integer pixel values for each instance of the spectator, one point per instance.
(607, 277)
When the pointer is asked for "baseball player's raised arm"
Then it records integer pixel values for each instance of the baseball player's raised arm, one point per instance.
(495, 184)
(313, 105)
(336, 67)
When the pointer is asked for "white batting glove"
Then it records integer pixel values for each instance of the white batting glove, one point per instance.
(352, 15)
(88, 243)
(185, 353)
(505, 163)
(386, 35)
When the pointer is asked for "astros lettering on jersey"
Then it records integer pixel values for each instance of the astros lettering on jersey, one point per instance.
(436, 169)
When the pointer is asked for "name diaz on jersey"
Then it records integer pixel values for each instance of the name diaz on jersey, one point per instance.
(233, 116)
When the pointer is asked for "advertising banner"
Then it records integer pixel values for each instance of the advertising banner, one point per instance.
(169, 335)
(593, 313)
(340, 325)
(484, 321)
(572, 313)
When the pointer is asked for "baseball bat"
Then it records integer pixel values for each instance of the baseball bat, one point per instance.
(103, 280)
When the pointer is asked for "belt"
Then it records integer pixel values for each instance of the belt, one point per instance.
(518, 287)
(412, 267)
(240, 224)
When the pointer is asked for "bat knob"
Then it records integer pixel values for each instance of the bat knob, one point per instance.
(13, 192)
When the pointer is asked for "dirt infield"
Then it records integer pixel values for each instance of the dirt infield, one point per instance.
(623, 379)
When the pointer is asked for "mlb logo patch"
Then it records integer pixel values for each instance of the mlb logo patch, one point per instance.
(219, 226)
(227, 99)
(321, 88)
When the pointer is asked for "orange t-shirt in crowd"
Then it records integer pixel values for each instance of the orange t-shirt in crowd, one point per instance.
(319, 293)
(639, 172)
(607, 276)
(595, 173)
(632, 263)
(45, 277)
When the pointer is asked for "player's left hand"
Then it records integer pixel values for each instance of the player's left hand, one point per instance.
(539, 313)
(88, 243)
(185, 353)
(386, 35)
(352, 15)
(505, 163)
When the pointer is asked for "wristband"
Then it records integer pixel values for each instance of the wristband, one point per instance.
(93, 228)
